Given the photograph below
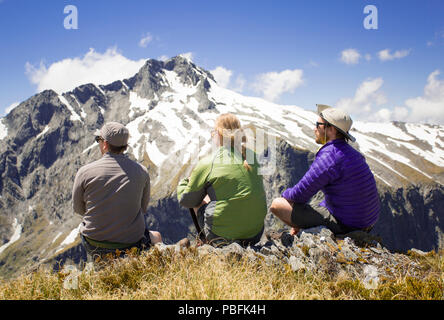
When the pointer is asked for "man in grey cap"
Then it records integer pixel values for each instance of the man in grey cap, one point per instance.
(112, 195)
(341, 173)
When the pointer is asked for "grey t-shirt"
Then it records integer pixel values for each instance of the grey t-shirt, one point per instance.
(112, 195)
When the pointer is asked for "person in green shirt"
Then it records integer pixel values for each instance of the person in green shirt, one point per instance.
(225, 190)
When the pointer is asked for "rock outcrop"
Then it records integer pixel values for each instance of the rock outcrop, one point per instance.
(356, 255)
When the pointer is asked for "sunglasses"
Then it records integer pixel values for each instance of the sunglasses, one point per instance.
(98, 139)
(321, 124)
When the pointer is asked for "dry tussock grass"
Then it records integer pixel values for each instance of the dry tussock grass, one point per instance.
(187, 276)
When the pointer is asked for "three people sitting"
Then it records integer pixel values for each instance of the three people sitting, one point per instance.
(225, 190)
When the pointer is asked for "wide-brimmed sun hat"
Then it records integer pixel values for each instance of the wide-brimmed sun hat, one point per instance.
(337, 118)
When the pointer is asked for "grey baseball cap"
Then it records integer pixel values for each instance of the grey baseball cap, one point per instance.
(115, 133)
(338, 118)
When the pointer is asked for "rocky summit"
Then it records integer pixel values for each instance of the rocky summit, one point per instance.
(169, 108)
(356, 255)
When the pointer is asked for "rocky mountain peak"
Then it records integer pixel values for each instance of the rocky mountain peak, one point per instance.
(154, 78)
(30, 117)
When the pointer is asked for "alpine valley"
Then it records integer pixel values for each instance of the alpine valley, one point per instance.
(169, 108)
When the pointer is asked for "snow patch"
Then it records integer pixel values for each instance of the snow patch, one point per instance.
(181, 90)
(74, 115)
(435, 156)
(3, 130)
(43, 132)
(70, 238)
(82, 112)
(368, 144)
(137, 103)
(387, 129)
(101, 91)
(56, 237)
(90, 147)
(292, 118)
(17, 233)
(382, 179)
(385, 165)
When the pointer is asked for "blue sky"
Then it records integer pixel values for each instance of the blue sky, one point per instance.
(297, 52)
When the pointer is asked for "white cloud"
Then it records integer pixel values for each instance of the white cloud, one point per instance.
(93, 67)
(385, 55)
(367, 96)
(239, 83)
(382, 115)
(222, 76)
(187, 55)
(273, 84)
(350, 56)
(146, 38)
(163, 58)
(313, 64)
(430, 106)
(399, 113)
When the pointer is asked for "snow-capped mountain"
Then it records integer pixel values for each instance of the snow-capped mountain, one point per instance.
(169, 108)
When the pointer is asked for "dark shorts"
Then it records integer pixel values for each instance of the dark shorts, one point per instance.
(216, 240)
(94, 253)
(305, 216)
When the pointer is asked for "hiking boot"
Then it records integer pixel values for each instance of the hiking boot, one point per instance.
(184, 243)
(285, 237)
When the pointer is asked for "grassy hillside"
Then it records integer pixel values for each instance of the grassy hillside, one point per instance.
(189, 275)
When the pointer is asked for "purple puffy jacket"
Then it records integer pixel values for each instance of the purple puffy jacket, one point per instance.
(346, 181)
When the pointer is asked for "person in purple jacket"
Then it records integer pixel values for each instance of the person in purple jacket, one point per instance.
(341, 173)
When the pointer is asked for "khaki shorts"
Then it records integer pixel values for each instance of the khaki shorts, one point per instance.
(305, 216)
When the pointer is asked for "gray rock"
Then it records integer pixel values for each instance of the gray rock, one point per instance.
(296, 251)
(315, 230)
(233, 249)
(276, 251)
(349, 254)
(296, 264)
(206, 249)
(418, 252)
(307, 240)
(327, 233)
(271, 260)
(371, 277)
(161, 246)
(266, 251)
